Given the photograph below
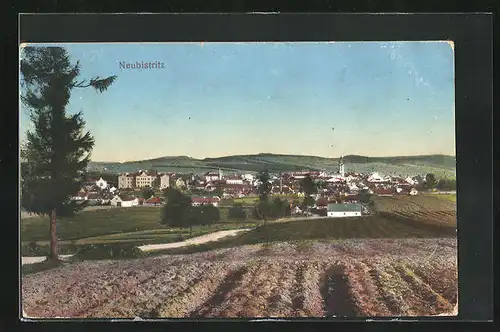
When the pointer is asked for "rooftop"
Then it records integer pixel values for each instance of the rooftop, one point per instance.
(333, 207)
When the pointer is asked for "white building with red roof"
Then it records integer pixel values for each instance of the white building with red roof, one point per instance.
(197, 201)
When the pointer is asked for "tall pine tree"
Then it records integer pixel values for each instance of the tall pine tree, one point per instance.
(56, 153)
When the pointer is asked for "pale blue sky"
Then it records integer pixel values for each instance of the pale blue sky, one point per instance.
(216, 99)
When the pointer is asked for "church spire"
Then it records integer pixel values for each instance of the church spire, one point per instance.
(341, 166)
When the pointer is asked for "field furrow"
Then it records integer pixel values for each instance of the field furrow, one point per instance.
(427, 300)
(399, 277)
(365, 294)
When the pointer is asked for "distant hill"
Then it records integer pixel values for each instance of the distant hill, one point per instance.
(404, 165)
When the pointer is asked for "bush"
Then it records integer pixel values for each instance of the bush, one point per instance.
(108, 251)
(446, 184)
(272, 210)
(33, 249)
(237, 211)
(210, 214)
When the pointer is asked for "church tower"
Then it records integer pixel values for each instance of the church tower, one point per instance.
(220, 174)
(341, 166)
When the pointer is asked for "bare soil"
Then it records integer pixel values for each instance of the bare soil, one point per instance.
(366, 277)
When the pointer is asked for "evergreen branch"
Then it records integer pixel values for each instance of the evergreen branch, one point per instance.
(97, 83)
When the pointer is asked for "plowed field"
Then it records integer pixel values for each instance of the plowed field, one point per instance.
(365, 277)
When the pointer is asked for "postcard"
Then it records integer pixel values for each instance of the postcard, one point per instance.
(252, 180)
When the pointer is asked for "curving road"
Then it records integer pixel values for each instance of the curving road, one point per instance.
(215, 236)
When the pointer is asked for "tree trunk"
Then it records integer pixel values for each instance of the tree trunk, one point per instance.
(53, 236)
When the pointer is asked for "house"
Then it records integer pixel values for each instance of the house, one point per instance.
(335, 179)
(248, 177)
(180, 183)
(350, 178)
(234, 180)
(124, 201)
(112, 189)
(197, 201)
(296, 210)
(211, 176)
(126, 180)
(145, 179)
(353, 187)
(80, 196)
(351, 199)
(234, 188)
(153, 201)
(164, 180)
(101, 183)
(344, 210)
(375, 177)
(413, 192)
(410, 181)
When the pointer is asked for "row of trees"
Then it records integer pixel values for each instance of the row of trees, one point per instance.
(442, 184)
(278, 208)
(179, 212)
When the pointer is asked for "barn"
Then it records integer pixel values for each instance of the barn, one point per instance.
(344, 210)
(124, 201)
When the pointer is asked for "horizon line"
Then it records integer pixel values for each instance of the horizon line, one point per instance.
(275, 154)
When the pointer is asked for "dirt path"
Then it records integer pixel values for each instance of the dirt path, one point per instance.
(195, 240)
(39, 259)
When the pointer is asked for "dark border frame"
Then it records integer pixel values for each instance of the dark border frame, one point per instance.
(471, 34)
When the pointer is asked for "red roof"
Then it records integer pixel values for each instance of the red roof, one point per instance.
(154, 200)
(234, 186)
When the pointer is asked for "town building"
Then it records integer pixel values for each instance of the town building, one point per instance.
(80, 196)
(213, 176)
(180, 183)
(126, 181)
(101, 183)
(145, 179)
(375, 178)
(197, 201)
(124, 201)
(344, 210)
(234, 180)
(248, 177)
(164, 180)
